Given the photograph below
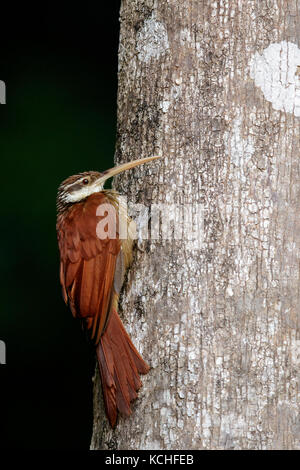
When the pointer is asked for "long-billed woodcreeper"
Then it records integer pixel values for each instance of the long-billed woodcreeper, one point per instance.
(92, 272)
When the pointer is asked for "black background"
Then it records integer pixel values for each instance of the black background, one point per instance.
(59, 63)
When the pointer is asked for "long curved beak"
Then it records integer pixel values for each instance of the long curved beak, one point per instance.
(123, 167)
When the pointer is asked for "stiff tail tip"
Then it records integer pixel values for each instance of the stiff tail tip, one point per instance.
(120, 367)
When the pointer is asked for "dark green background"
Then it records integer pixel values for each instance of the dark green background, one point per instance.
(60, 69)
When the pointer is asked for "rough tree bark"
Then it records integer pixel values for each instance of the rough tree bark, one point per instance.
(214, 87)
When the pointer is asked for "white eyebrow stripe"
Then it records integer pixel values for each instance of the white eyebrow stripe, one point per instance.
(83, 192)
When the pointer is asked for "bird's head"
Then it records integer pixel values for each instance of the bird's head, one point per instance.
(76, 188)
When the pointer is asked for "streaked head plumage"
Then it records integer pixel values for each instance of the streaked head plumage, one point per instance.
(78, 187)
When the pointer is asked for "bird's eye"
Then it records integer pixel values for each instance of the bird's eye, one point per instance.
(85, 181)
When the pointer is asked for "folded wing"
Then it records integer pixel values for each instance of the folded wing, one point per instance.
(87, 263)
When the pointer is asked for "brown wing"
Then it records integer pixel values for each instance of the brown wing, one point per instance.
(87, 263)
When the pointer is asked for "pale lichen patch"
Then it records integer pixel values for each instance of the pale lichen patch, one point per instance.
(152, 40)
(276, 73)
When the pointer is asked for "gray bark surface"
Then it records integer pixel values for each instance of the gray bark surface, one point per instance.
(219, 325)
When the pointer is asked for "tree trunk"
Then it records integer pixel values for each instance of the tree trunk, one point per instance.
(213, 87)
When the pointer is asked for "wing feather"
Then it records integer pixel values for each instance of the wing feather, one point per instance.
(87, 263)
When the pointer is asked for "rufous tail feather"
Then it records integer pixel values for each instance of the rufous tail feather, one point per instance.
(120, 365)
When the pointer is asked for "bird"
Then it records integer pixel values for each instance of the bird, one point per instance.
(92, 270)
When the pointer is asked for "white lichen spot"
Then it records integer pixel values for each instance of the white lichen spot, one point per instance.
(240, 149)
(219, 361)
(152, 40)
(164, 106)
(276, 73)
(229, 291)
(295, 351)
